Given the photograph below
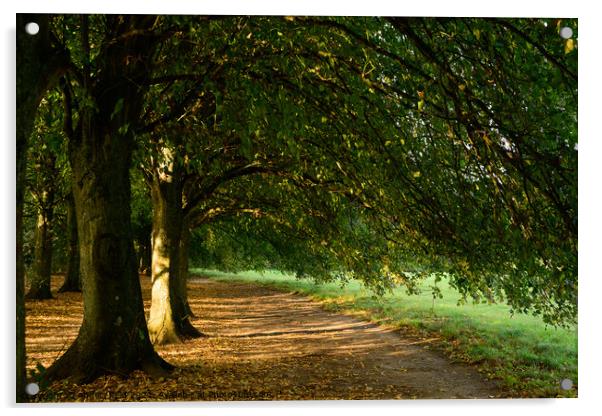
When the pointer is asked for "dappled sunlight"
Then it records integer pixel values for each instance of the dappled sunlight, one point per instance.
(261, 343)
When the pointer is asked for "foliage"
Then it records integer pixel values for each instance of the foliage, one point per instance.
(372, 148)
(452, 141)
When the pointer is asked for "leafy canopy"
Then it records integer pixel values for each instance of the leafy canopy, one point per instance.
(378, 148)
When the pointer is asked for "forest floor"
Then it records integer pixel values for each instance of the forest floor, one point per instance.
(261, 344)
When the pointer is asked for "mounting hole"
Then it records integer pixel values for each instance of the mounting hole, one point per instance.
(566, 384)
(32, 389)
(566, 32)
(32, 28)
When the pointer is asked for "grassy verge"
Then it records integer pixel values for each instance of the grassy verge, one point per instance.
(528, 358)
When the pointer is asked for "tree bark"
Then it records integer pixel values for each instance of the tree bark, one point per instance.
(169, 320)
(183, 268)
(39, 65)
(39, 285)
(72, 281)
(113, 337)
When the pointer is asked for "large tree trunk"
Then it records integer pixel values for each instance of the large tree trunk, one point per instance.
(72, 281)
(169, 321)
(39, 282)
(113, 337)
(39, 65)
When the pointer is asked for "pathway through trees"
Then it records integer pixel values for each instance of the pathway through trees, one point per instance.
(262, 344)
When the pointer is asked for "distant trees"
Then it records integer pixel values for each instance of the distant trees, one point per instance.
(72, 282)
(48, 183)
(45, 201)
(349, 147)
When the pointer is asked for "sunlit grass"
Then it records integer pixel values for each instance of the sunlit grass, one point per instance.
(527, 356)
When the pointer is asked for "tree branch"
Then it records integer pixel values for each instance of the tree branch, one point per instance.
(537, 46)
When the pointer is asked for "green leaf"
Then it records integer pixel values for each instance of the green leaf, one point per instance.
(118, 108)
(246, 146)
(124, 129)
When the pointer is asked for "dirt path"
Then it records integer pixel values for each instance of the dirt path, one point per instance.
(265, 344)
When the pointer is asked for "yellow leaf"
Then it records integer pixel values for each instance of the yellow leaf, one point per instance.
(486, 139)
(569, 45)
(420, 105)
(416, 174)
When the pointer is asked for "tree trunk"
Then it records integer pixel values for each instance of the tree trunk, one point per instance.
(183, 273)
(42, 268)
(113, 337)
(72, 281)
(39, 65)
(169, 321)
(181, 292)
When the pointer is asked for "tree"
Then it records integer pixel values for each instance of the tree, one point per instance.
(483, 151)
(169, 314)
(437, 143)
(72, 282)
(141, 221)
(46, 199)
(113, 337)
(454, 159)
(47, 179)
(39, 63)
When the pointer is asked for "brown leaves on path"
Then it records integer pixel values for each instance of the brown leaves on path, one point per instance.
(262, 344)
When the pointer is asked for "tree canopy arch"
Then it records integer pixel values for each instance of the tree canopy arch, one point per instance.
(387, 145)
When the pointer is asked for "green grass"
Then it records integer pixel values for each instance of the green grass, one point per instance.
(528, 358)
